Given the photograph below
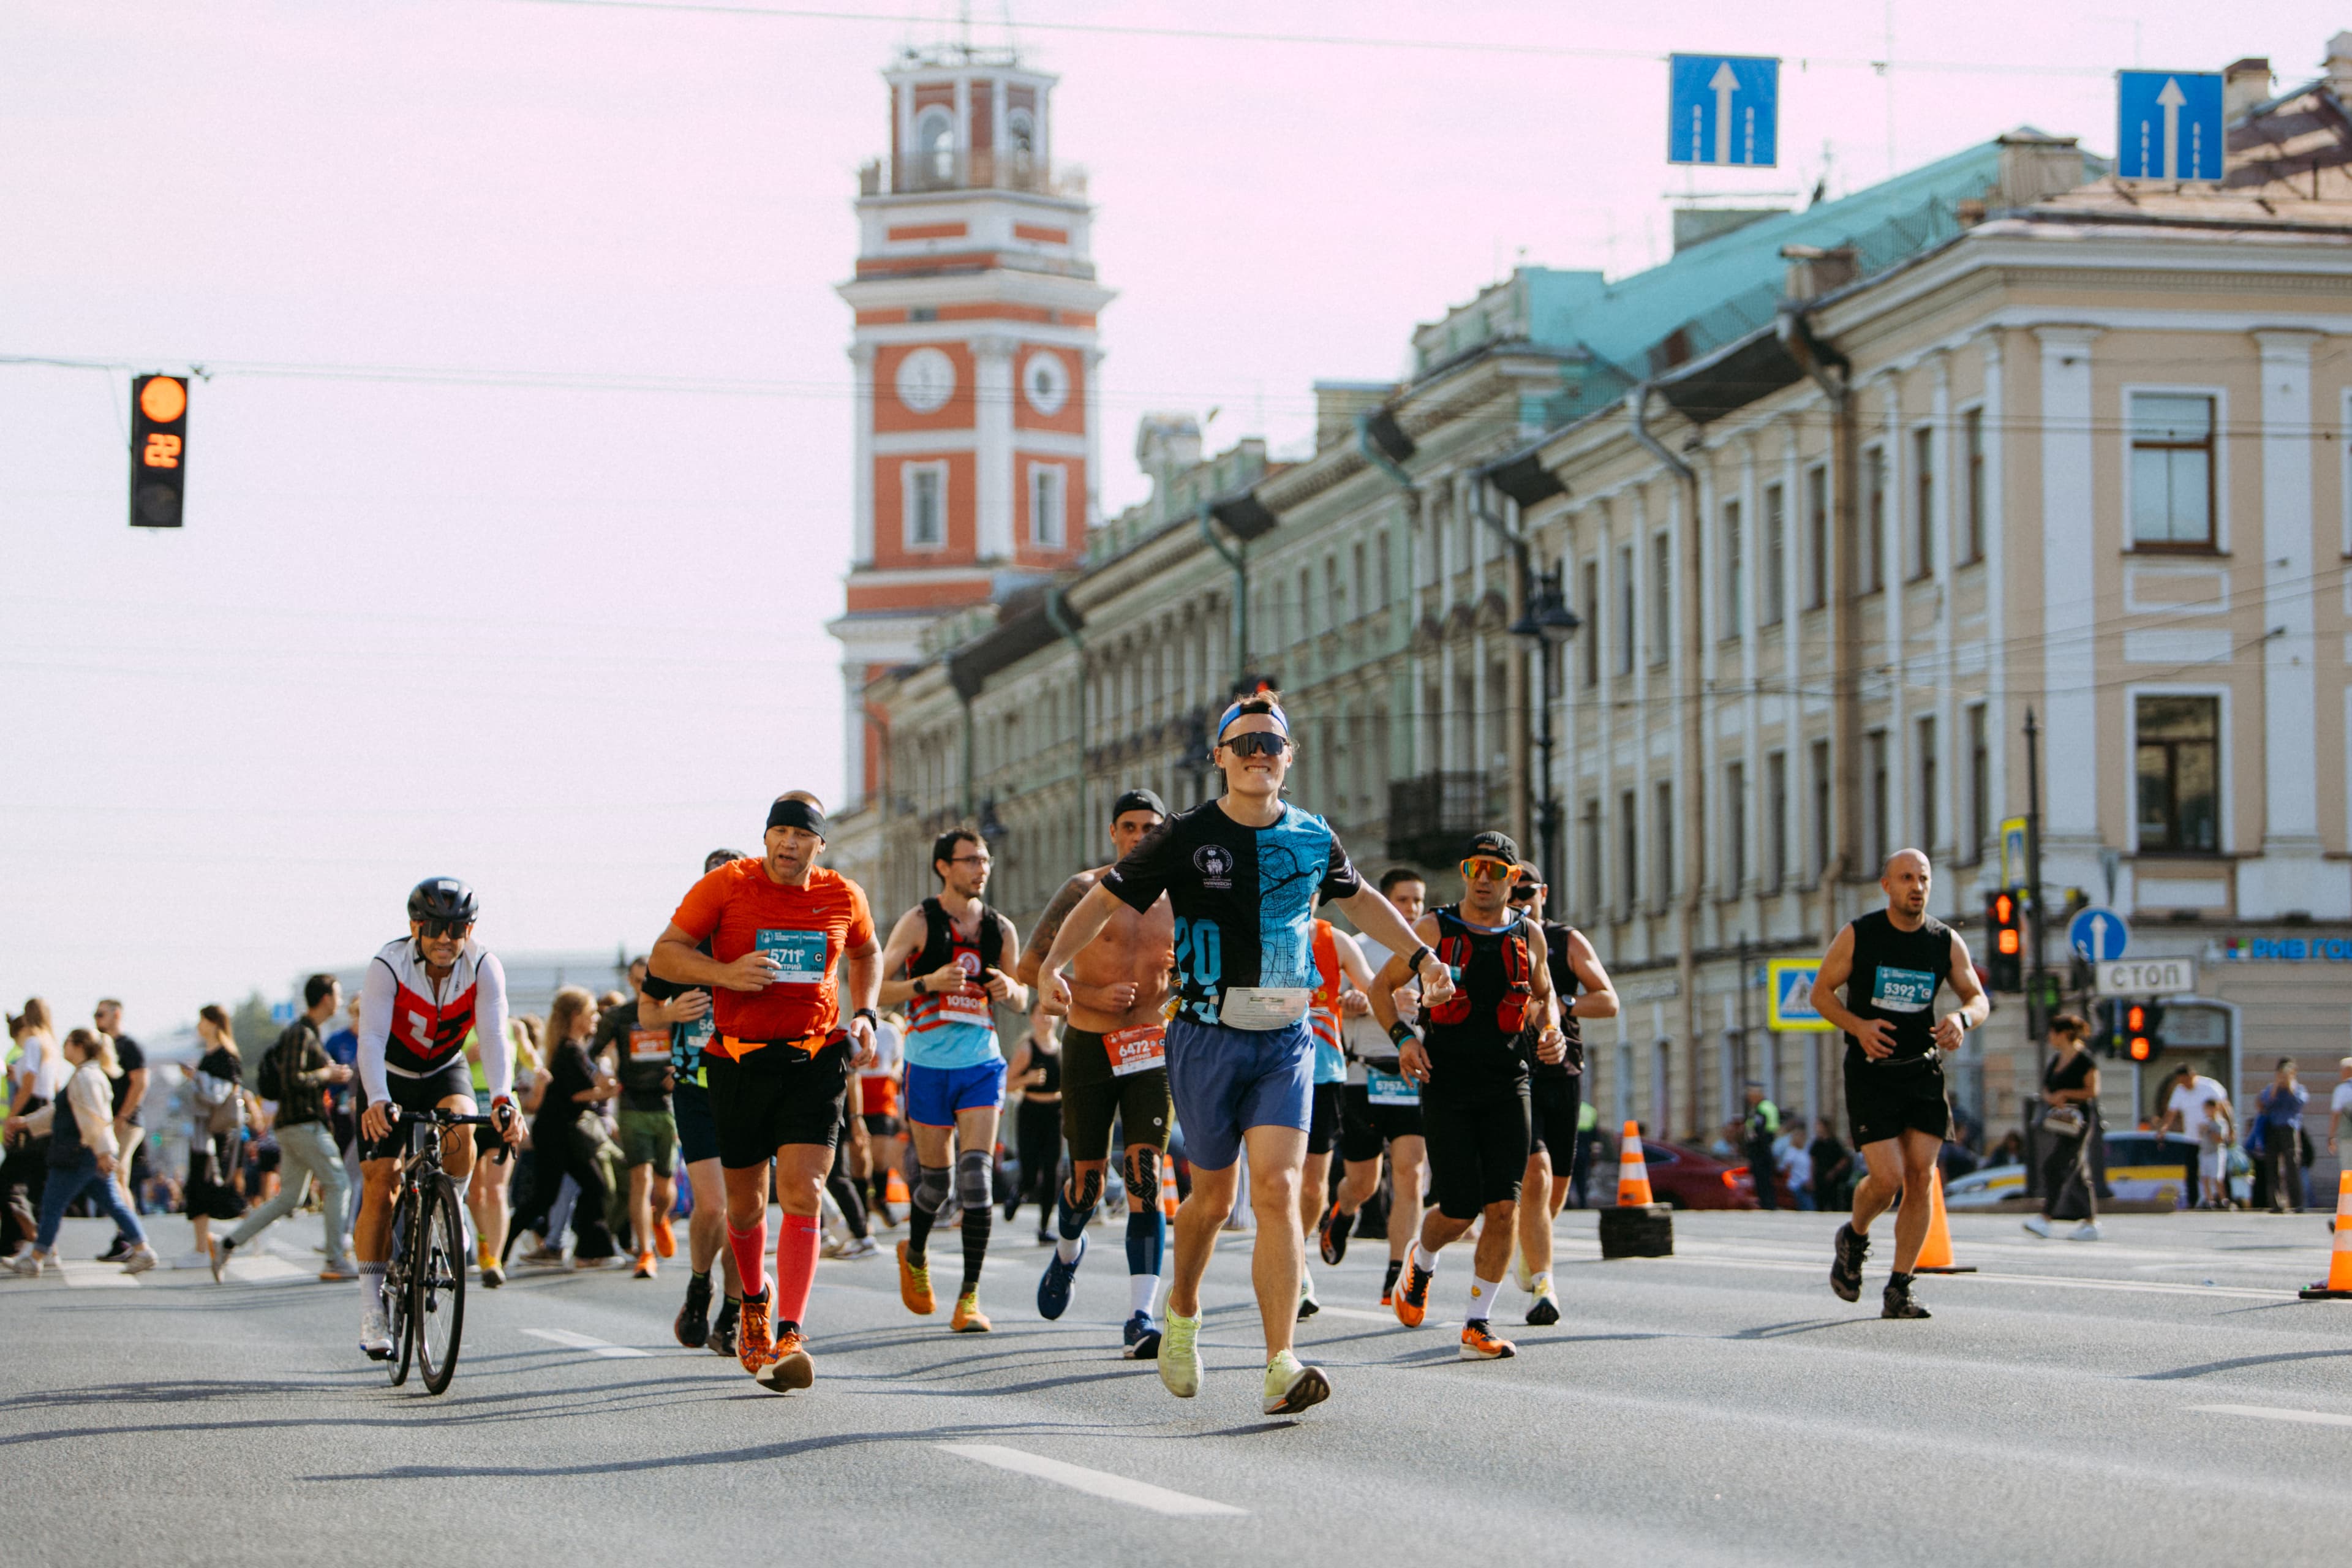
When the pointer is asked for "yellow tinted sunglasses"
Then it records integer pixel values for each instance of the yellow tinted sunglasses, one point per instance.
(1483, 870)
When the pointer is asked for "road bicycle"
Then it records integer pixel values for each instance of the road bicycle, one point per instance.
(425, 1275)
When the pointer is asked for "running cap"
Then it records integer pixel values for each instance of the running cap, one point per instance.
(800, 814)
(1493, 847)
(1243, 707)
(717, 858)
(1138, 800)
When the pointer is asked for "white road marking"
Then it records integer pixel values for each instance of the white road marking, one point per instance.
(2277, 1413)
(2128, 1287)
(265, 1267)
(1328, 1310)
(583, 1343)
(1099, 1483)
(97, 1276)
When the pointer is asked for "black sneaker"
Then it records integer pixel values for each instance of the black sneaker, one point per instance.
(1388, 1285)
(117, 1252)
(1845, 1271)
(1898, 1302)
(692, 1325)
(723, 1331)
(1331, 1235)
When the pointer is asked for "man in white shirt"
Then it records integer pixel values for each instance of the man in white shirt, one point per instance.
(2199, 1109)
(2339, 1109)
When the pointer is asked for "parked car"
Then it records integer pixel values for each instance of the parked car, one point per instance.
(2142, 1168)
(1681, 1177)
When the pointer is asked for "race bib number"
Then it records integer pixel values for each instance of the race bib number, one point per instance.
(799, 956)
(1903, 989)
(648, 1044)
(1139, 1049)
(1263, 1007)
(1390, 1089)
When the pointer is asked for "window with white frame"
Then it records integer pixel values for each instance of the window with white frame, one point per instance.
(2171, 471)
(935, 139)
(1775, 565)
(1626, 631)
(1661, 597)
(923, 496)
(1732, 613)
(2176, 742)
(1048, 505)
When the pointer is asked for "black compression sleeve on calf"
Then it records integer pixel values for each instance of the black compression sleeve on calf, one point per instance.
(931, 1192)
(853, 1204)
(977, 1223)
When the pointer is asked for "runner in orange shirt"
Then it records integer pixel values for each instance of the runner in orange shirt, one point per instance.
(779, 1061)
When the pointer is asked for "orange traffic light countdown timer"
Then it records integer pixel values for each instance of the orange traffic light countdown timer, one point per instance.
(159, 450)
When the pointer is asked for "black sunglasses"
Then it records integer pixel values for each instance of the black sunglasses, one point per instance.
(1521, 895)
(447, 927)
(1258, 743)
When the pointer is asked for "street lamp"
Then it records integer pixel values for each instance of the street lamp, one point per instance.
(1546, 624)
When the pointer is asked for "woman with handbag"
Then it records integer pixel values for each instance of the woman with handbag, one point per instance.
(2070, 1092)
(563, 1105)
(217, 1135)
(83, 1152)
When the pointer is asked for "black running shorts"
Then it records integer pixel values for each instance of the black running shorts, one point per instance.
(1093, 1097)
(418, 1094)
(697, 1135)
(1323, 1122)
(779, 1094)
(1554, 1103)
(1477, 1139)
(1886, 1099)
(1366, 1128)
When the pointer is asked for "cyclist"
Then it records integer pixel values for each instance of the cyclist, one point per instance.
(422, 997)
(778, 1063)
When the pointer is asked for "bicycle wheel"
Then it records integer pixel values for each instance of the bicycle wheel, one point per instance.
(439, 1312)
(396, 1275)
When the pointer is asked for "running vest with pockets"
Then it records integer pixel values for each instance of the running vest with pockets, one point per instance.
(1564, 986)
(428, 1035)
(933, 1018)
(1895, 976)
(1478, 1027)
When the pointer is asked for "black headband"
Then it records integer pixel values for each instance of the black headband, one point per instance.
(797, 814)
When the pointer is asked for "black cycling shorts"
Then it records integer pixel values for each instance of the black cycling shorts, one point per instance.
(779, 1094)
(882, 1124)
(1323, 1121)
(1554, 1104)
(1478, 1140)
(1365, 1128)
(1093, 1097)
(1885, 1100)
(418, 1094)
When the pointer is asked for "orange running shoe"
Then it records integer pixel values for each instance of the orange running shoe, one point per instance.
(969, 1319)
(789, 1366)
(1412, 1295)
(915, 1286)
(1479, 1343)
(753, 1347)
(646, 1269)
(665, 1239)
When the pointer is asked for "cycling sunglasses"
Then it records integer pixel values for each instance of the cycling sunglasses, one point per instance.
(1525, 892)
(1257, 743)
(447, 927)
(1483, 870)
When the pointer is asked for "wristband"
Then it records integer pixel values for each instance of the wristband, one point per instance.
(869, 1014)
(1412, 964)
(1401, 1033)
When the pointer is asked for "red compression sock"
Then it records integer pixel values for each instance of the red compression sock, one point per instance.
(795, 1266)
(748, 1246)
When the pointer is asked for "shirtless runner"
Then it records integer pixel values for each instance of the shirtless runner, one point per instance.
(1114, 1065)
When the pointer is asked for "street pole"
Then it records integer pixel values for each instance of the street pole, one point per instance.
(2026, 1093)
(1547, 802)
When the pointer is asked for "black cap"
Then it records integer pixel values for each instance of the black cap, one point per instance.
(1138, 800)
(1494, 846)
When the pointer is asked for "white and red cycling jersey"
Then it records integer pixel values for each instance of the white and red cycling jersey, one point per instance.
(413, 1026)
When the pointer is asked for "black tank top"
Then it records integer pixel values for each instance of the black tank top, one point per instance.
(1564, 986)
(1052, 1062)
(1466, 1037)
(1896, 976)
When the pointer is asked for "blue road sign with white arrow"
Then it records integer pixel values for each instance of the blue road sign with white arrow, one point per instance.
(2100, 935)
(1724, 109)
(2169, 125)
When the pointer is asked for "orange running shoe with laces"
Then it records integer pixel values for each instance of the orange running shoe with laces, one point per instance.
(969, 1319)
(1412, 1295)
(789, 1365)
(1480, 1343)
(915, 1286)
(665, 1239)
(753, 1346)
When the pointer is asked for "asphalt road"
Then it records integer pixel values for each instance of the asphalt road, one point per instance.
(2157, 1397)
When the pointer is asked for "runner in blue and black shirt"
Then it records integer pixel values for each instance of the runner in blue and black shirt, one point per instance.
(1243, 875)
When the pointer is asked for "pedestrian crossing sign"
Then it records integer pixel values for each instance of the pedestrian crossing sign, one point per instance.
(1789, 1003)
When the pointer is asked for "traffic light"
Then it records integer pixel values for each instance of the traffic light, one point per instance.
(159, 450)
(2005, 962)
(2108, 1036)
(2144, 1029)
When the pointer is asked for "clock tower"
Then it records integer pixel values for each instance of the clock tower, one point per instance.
(974, 353)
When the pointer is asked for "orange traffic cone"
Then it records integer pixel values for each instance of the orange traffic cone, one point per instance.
(1168, 1188)
(1632, 1174)
(2337, 1287)
(1936, 1252)
(894, 1189)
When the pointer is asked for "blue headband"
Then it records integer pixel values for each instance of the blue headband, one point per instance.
(1274, 712)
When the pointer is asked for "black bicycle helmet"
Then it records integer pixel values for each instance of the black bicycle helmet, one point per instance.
(445, 900)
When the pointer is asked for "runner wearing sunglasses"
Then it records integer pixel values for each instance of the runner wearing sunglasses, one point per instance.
(1242, 874)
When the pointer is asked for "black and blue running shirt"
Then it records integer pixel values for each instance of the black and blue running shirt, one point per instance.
(685, 1040)
(1244, 898)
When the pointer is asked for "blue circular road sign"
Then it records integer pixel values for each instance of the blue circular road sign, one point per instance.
(2099, 934)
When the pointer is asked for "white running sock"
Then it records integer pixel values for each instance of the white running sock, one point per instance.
(1067, 1248)
(1482, 1298)
(1424, 1259)
(371, 1287)
(1142, 1290)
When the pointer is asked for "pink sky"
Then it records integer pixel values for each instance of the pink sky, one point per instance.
(561, 641)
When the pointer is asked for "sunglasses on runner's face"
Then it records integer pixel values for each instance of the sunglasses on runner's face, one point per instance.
(1257, 743)
(1488, 871)
(447, 927)
(1523, 894)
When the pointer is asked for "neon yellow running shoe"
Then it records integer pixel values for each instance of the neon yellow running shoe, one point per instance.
(1291, 1388)
(1180, 1356)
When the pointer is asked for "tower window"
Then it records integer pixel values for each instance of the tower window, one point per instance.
(924, 492)
(935, 145)
(1047, 528)
(1020, 130)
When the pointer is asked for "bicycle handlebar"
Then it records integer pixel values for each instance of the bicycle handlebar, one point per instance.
(440, 1117)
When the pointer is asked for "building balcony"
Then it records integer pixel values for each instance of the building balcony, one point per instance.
(913, 173)
(1431, 817)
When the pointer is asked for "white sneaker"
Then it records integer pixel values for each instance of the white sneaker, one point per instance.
(2038, 1225)
(192, 1260)
(1291, 1388)
(857, 1246)
(32, 1265)
(1180, 1356)
(2086, 1231)
(375, 1334)
(142, 1258)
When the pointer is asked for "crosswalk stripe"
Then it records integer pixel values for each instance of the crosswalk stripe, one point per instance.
(583, 1343)
(97, 1276)
(1097, 1483)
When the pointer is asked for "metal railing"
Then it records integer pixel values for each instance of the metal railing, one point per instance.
(948, 170)
(1431, 816)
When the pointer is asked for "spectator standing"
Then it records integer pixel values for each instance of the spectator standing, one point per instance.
(82, 1153)
(216, 1133)
(567, 1094)
(130, 1134)
(1797, 1165)
(2197, 1108)
(2281, 1114)
(2070, 1119)
(298, 1073)
(1588, 1136)
(2340, 1111)
(1760, 1128)
(37, 1074)
(1831, 1165)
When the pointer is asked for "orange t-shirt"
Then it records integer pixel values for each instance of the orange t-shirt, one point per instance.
(808, 928)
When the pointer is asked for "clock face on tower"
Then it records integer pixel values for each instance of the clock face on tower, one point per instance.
(1045, 381)
(927, 380)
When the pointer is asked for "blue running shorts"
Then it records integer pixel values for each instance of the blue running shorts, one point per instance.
(934, 1095)
(1226, 1081)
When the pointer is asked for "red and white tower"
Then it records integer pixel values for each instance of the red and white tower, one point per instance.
(974, 346)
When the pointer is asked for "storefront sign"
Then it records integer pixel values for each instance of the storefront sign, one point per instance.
(2287, 950)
